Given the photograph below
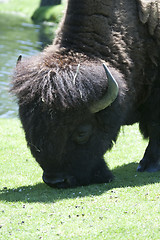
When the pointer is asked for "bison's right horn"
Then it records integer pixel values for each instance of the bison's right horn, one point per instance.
(19, 59)
(110, 96)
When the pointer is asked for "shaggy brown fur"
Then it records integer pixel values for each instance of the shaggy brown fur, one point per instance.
(61, 80)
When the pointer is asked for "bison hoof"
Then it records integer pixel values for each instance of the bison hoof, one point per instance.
(148, 167)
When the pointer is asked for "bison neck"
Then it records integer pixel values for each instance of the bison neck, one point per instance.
(100, 28)
(107, 29)
(86, 26)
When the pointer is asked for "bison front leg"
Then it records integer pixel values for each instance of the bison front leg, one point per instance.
(151, 160)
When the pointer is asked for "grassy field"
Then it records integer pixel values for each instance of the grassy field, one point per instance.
(24, 7)
(128, 208)
(30, 8)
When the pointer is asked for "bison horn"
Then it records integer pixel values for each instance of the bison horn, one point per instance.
(19, 59)
(110, 96)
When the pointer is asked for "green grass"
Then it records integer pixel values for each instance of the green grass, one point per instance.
(51, 14)
(24, 7)
(128, 208)
(30, 9)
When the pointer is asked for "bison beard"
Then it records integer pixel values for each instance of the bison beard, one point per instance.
(66, 106)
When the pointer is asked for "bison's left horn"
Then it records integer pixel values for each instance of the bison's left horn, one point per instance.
(110, 96)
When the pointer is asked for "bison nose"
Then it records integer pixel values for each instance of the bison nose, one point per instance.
(52, 180)
(59, 181)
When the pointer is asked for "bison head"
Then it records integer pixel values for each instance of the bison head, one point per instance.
(70, 117)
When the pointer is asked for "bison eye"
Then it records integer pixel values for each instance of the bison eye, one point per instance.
(82, 134)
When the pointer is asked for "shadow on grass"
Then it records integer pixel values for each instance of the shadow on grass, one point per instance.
(125, 176)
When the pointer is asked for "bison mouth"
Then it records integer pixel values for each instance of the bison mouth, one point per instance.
(59, 181)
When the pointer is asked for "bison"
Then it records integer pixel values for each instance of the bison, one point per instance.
(101, 72)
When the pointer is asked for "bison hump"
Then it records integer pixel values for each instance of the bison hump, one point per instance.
(149, 13)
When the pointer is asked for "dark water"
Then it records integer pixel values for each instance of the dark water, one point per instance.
(18, 36)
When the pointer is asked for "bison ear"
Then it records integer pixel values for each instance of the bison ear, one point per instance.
(19, 59)
(110, 96)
